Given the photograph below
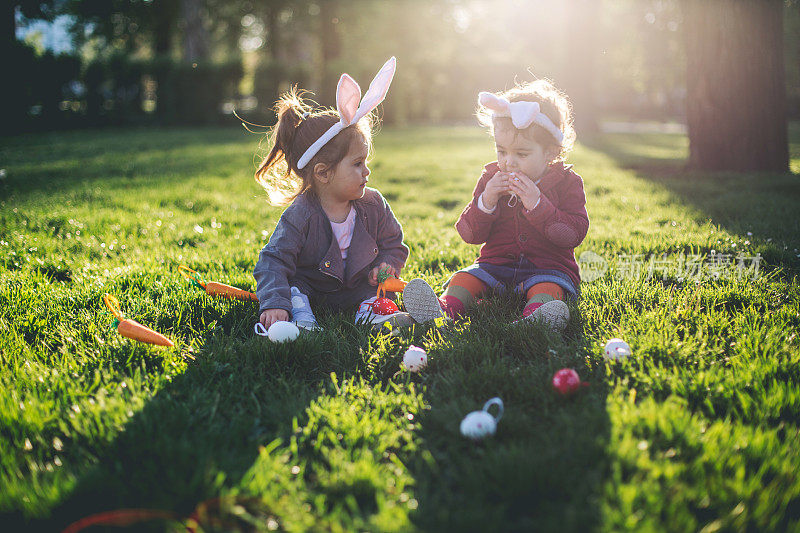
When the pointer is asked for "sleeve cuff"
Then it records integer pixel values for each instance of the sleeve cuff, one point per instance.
(285, 305)
(483, 208)
(541, 212)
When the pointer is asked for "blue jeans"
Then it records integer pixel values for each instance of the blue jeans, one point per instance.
(521, 276)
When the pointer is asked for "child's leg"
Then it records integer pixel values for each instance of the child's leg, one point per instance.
(461, 293)
(540, 294)
(546, 304)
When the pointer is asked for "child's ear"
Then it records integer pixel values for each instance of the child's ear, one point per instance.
(322, 173)
(552, 153)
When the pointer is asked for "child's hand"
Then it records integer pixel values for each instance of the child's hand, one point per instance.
(270, 316)
(496, 187)
(525, 189)
(373, 275)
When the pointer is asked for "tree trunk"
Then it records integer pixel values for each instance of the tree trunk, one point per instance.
(582, 50)
(736, 92)
(195, 39)
(331, 49)
(165, 12)
(13, 106)
(8, 23)
(273, 44)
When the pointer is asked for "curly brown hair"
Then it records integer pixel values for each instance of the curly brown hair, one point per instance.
(552, 102)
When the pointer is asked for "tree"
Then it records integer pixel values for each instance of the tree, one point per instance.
(18, 59)
(331, 48)
(582, 52)
(195, 33)
(736, 92)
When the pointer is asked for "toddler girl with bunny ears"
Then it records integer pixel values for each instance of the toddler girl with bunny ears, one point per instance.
(337, 234)
(528, 210)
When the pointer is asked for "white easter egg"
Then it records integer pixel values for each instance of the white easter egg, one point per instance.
(616, 349)
(415, 359)
(478, 424)
(282, 331)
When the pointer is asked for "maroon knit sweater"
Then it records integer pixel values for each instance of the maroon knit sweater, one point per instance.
(547, 235)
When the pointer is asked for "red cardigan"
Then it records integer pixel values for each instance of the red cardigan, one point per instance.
(547, 235)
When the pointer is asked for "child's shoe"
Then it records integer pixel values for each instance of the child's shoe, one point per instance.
(554, 314)
(421, 302)
(302, 315)
(308, 325)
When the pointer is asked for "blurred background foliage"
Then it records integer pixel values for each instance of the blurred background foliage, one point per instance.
(166, 62)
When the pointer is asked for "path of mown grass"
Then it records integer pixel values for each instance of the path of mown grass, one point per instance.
(698, 430)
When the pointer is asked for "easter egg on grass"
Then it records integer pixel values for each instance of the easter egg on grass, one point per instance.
(616, 349)
(282, 331)
(479, 424)
(566, 382)
(384, 306)
(415, 359)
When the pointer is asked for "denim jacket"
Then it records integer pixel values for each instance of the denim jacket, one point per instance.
(302, 252)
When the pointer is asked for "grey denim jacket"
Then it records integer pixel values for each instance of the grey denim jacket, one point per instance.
(302, 252)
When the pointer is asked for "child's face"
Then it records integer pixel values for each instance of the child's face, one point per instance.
(517, 153)
(350, 176)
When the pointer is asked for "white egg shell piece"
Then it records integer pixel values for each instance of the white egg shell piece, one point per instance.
(282, 331)
(616, 349)
(478, 424)
(415, 359)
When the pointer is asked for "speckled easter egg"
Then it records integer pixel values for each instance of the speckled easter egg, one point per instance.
(478, 424)
(566, 382)
(415, 359)
(616, 349)
(282, 331)
(384, 306)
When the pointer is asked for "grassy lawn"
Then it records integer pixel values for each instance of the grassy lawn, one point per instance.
(699, 430)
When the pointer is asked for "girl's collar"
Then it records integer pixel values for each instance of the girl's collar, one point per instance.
(553, 174)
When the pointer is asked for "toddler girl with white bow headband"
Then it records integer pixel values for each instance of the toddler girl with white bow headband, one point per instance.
(528, 210)
(337, 234)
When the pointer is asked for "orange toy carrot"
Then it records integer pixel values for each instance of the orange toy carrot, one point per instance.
(213, 288)
(387, 282)
(132, 329)
(226, 291)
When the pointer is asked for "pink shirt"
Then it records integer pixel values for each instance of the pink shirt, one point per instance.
(343, 231)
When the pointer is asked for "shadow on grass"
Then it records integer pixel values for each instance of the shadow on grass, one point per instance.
(133, 158)
(756, 206)
(199, 434)
(544, 469)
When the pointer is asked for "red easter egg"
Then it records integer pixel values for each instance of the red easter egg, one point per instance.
(384, 306)
(566, 382)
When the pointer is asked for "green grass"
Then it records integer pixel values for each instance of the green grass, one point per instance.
(699, 430)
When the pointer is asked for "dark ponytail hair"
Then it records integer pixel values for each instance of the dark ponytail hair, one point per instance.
(291, 137)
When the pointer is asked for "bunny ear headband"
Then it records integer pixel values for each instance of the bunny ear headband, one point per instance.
(351, 106)
(522, 114)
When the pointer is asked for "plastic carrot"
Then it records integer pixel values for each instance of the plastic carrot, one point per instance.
(213, 288)
(132, 329)
(389, 283)
(226, 291)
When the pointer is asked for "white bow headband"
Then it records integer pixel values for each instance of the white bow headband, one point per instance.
(522, 114)
(348, 96)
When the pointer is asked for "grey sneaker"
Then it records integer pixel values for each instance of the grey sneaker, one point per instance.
(554, 314)
(421, 302)
(398, 319)
(365, 315)
(307, 325)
